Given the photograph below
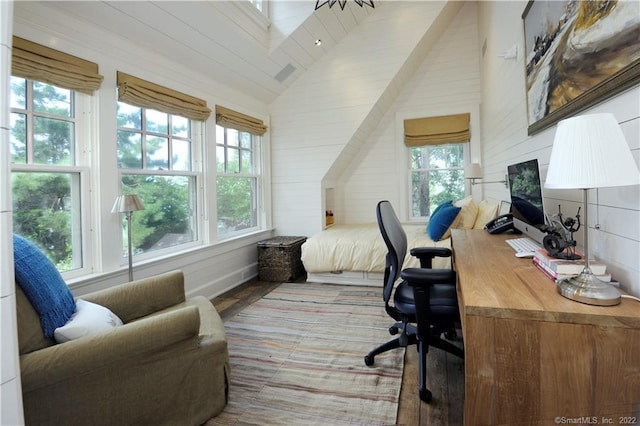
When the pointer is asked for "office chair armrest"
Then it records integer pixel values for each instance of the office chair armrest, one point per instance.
(426, 254)
(422, 277)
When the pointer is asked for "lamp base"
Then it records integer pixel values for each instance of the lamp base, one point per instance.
(587, 288)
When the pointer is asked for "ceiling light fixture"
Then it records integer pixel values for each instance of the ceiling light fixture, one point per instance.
(318, 42)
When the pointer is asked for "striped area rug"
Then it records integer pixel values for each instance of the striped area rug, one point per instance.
(297, 359)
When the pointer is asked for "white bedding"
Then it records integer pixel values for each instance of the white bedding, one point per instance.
(360, 247)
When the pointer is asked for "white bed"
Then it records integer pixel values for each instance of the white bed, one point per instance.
(355, 254)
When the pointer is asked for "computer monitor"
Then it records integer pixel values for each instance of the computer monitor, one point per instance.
(527, 208)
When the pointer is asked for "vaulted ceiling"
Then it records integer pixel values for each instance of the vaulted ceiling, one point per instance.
(227, 40)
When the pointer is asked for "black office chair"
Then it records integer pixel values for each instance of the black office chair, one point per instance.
(425, 297)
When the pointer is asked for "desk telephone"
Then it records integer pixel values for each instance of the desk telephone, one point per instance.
(500, 224)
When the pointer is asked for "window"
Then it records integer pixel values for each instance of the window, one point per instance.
(257, 4)
(237, 182)
(437, 175)
(156, 152)
(45, 175)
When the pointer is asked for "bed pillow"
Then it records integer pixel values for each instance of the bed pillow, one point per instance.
(89, 318)
(439, 226)
(467, 216)
(487, 210)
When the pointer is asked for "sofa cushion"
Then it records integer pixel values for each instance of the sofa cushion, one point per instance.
(88, 319)
(43, 285)
(30, 335)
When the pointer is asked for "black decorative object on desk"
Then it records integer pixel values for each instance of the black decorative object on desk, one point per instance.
(560, 236)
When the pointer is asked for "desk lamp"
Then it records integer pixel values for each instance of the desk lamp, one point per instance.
(590, 151)
(128, 204)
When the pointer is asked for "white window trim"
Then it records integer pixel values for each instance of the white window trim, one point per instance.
(408, 184)
(197, 164)
(260, 18)
(402, 166)
(260, 161)
(83, 139)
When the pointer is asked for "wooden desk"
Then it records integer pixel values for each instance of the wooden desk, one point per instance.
(533, 357)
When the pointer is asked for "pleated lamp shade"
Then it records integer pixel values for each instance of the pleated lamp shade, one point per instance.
(590, 151)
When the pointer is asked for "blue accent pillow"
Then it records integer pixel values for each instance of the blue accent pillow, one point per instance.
(441, 219)
(43, 285)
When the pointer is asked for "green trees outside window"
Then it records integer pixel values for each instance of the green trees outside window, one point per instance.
(437, 175)
(155, 161)
(45, 180)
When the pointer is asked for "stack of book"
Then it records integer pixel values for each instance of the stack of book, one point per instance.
(560, 269)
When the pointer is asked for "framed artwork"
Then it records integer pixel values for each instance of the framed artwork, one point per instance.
(578, 53)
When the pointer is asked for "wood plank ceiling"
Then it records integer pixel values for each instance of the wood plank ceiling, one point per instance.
(228, 40)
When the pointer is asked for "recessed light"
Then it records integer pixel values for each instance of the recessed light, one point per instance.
(318, 42)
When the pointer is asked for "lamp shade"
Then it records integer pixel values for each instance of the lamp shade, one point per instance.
(590, 151)
(473, 171)
(127, 203)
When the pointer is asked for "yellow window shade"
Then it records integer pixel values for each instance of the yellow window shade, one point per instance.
(437, 130)
(142, 93)
(37, 62)
(229, 118)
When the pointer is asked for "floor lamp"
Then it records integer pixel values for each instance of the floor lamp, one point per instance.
(128, 204)
(590, 151)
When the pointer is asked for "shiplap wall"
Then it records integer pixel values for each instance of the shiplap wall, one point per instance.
(505, 141)
(10, 387)
(456, 76)
(447, 82)
(319, 123)
(209, 269)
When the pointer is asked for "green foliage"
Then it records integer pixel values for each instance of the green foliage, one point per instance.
(236, 203)
(167, 210)
(437, 176)
(42, 213)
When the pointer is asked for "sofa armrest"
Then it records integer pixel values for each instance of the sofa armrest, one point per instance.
(140, 298)
(128, 344)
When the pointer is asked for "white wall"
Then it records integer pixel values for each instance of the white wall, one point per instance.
(209, 269)
(505, 141)
(456, 75)
(447, 82)
(322, 119)
(10, 394)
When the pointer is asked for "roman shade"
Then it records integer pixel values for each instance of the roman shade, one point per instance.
(437, 130)
(37, 62)
(229, 118)
(142, 93)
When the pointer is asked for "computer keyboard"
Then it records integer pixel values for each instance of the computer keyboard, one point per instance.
(524, 247)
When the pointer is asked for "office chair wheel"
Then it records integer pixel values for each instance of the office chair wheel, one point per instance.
(369, 360)
(425, 395)
(393, 330)
(451, 335)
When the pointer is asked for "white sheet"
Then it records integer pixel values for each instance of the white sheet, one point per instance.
(360, 247)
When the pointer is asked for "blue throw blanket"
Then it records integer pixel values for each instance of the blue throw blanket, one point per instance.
(43, 285)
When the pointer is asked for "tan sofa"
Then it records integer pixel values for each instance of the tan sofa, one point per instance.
(168, 363)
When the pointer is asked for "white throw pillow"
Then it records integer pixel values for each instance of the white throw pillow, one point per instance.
(88, 319)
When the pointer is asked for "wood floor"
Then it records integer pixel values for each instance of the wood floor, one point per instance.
(445, 373)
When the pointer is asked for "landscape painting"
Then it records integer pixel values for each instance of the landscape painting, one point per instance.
(578, 53)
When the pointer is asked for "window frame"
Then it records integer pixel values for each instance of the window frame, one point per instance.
(411, 170)
(195, 173)
(257, 174)
(82, 106)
